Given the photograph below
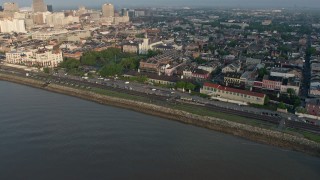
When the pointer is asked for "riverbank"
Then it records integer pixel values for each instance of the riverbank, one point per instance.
(256, 134)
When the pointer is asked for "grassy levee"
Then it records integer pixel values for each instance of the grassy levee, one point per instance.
(230, 124)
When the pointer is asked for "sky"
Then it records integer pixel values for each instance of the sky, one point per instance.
(190, 3)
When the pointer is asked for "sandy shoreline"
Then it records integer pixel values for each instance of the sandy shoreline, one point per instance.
(255, 134)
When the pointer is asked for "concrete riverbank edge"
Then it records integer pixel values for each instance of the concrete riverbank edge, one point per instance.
(252, 133)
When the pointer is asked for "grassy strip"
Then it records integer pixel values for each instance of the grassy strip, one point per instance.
(311, 136)
(189, 108)
(205, 112)
(119, 95)
(308, 135)
(239, 119)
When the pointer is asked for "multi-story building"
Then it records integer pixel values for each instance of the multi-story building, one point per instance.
(121, 19)
(250, 61)
(232, 79)
(39, 18)
(271, 83)
(232, 68)
(44, 35)
(50, 8)
(108, 10)
(39, 6)
(313, 106)
(10, 7)
(282, 72)
(63, 35)
(14, 25)
(290, 83)
(59, 19)
(130, 48)
(147, 45)
(218, 91)
(153, 65)
(42, 58)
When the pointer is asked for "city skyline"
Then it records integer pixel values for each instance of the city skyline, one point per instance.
(200, 3)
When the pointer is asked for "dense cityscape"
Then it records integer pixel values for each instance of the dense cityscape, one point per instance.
(259, 64)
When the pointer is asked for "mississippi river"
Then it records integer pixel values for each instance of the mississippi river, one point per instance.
(44, 135)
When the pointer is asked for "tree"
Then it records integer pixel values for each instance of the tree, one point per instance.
(311, 51)
(177, 29)
(181, 84)
(130, 63)
(185, 85)
(89, 59)
(281, 105)
(291, 92)
(190, 86)
(301, 110)
(70, 63)
(297, 102)
(266, 100)
(140, 35)
(46, 70)
(152, 53)
(199, 60)
(111, 70)
(232, 43)
(262, 72)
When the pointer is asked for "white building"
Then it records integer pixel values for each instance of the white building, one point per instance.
(145, 46)
(282, 72)
(231, 68)
(59, 19)
(44, 35)
(42, 58)
(14, 25)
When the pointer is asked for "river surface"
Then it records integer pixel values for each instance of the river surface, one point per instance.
(44, 135)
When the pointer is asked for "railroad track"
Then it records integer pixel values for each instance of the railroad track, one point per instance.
(273, 120)
(303, 126)
(164, 99)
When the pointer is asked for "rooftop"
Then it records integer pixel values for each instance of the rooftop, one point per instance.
(240, 91)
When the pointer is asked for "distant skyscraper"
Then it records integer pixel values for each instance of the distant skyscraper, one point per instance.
(108, 10)
(11, 6)
(131, 13)
(124, 12)
(1, 9)
(50, 8)
(39, 6)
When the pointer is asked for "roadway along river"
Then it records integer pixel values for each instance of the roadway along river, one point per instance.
(44, 135)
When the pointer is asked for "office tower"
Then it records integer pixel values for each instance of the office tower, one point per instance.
(39, 6)
(107, 10)
(50, 8)
(1, 9)
(10, 7)
(131, 13)
(124, 12)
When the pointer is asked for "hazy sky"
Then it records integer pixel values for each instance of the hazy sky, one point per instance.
(204, 3)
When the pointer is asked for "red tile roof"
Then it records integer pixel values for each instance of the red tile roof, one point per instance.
(223, 88)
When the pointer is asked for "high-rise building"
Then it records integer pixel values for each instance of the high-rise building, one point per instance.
(124, 12)
(1, 9)
(39, 6)
(14, 25)
(50, 8)
(108, 10)
(10, 7)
